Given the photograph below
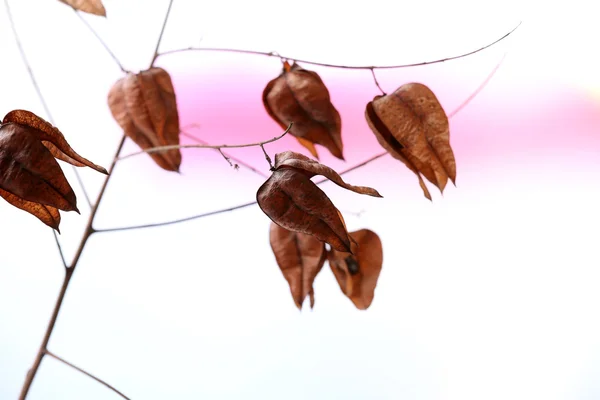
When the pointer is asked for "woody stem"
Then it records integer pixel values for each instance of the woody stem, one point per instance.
(88, 231)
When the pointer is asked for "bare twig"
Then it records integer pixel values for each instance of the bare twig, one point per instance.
(102, 42)
(344, 172)
(228, 157)
(206, 146)
(88, 231)
(85, 194)
(162, 31)
(267, 156)
(177, 221)
(377, 82)
(371, 67)
(479, 88)
(60, 250)
(62, 360)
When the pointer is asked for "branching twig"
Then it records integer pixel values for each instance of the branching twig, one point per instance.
(88, 231)
(62, 360)
(207, 146)
(344, 172)
(228, 157)
(377, 82)
(371, 67)
(162, 31)
(108, 50)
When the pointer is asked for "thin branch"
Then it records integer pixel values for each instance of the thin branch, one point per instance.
(377, 82)
(479, 88)
(62, 360)
(262, 146)
(60, 250)
(177, 221)
(85, 194)
(162, 31)
(102, 42)
(42, 350)
(371, 67)
(205, 146)
(228, 157)
(344, 172)
(88, 231)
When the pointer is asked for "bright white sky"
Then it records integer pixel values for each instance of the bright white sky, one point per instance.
(488, 293)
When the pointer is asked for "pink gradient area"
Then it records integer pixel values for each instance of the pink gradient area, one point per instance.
(516, 118)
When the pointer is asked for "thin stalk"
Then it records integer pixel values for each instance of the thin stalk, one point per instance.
(102, 42)
(42, 350)
(371, 67)
(162, 31)
(75, 367)
(206, 146)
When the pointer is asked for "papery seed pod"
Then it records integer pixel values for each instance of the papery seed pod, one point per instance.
(300, 258)
(30, 177)
(301, 97)
(145, 107)
(357, 273)
(413, 127)
(94, 7)
(291, 200)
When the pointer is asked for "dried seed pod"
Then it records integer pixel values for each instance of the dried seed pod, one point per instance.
(301, 97)
(145, 107)
(357, 273)
(295, 202)
(300, 258)
(413, 127)
(94, 7)
(30, 177)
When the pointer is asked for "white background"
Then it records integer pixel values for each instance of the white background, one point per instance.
(490, 292)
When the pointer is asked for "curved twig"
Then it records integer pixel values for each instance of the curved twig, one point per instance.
(102, 42)
(205, 146)
(228, 157)
(371, 67)
(62, 360)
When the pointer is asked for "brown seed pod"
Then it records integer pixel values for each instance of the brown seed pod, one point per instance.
(357, 273)
(30, 177)
(145, 107)
(301, 97)
(413, 127)
(300, 258)
(296, 203)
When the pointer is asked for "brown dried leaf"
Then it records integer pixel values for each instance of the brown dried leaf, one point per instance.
(30, 177)
(301, 97)
(145, 107)
(291, 200)
(88, 6)
(413, 127)
(300, 258)
(357, 274)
